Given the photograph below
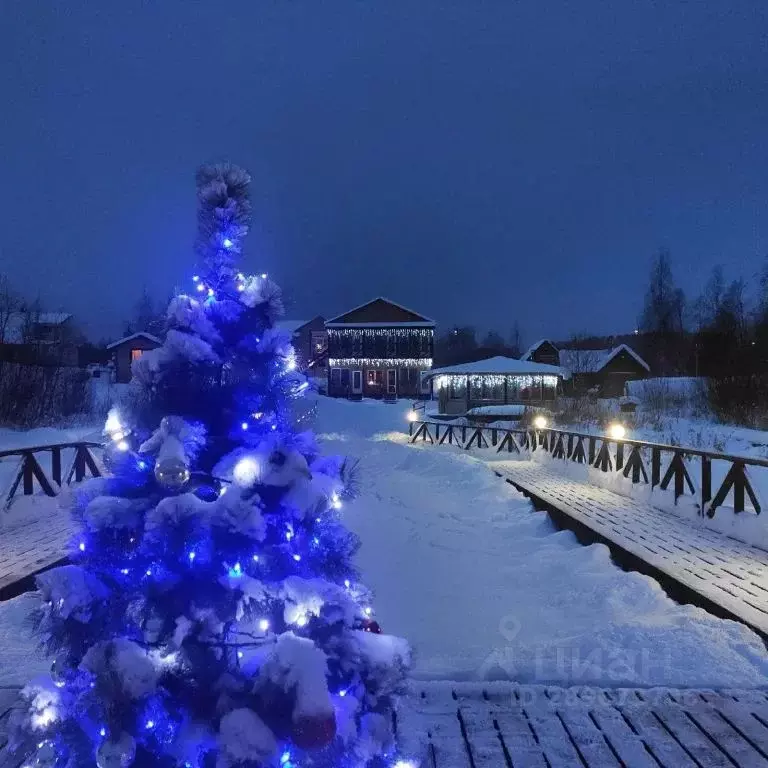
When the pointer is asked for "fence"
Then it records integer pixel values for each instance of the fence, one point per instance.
(632, 458)
(30, 471)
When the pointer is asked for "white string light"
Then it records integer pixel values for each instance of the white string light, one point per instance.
(408, 362)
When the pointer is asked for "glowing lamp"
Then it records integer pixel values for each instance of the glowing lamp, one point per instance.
(122, 446)
(211, 292)
(263, 275)
(617, 431)
(413, 416)
(264, 625)
(405, 764)
(540, 422)
(200, 287)
(246, 472)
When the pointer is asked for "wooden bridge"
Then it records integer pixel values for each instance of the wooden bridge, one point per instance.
(693, 562)
(30, 547)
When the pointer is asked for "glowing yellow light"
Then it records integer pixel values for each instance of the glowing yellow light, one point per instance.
(540, 422)
(413, 416)
(617, 431)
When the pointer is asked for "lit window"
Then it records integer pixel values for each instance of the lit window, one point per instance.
(136, 354)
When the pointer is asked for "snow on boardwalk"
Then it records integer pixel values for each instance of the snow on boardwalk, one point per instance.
(731, 574)
(485, 588)
(30, 547)
(498, 725)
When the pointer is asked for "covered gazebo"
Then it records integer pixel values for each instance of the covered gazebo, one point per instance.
(497, 381)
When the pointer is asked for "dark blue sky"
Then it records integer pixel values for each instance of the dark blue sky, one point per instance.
(478, 161)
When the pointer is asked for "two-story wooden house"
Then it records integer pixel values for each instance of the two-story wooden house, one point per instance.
(379, 349)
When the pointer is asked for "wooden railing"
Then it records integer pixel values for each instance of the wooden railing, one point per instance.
(633, 458)
(30, 472)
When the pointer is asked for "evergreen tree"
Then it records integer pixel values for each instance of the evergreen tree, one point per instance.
(210, 615)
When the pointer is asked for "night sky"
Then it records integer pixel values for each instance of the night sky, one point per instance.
(480, 162)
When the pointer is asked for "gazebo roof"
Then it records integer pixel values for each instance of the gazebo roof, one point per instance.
(499, 366)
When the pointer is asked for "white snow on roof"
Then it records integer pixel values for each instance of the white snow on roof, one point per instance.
(498, 365)
(139, 335)
(594, 360)
(529, 352)
(291, 326)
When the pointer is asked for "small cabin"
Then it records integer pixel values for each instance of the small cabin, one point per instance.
(482, 386)
(310, 341)
(128, 349)
(602, 372)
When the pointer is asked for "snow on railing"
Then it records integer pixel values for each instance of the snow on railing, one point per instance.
(632, 458)
(30, 472)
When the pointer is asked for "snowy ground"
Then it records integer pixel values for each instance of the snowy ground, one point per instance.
(484, 587)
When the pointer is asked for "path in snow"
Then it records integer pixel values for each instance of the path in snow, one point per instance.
(485, 587)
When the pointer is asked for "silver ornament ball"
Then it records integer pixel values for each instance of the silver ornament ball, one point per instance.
(60, 670)
(116, 753)
(46, 756)
(172, 473)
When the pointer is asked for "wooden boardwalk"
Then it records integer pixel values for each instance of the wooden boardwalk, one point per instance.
(729, 577)
(471, 725)
(27, 549)
(502, 725)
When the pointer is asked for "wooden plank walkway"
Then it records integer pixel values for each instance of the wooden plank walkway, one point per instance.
(501, 725)
(32, 547)
(725, 573)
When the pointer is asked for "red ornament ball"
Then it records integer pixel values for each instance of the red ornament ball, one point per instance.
(314, 731)
(369, 625)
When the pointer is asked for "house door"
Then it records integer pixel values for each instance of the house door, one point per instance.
(357, 382)
(392, 381)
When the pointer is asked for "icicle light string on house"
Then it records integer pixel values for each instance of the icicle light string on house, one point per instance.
(495, 380)
(383, 362)
(193, 629)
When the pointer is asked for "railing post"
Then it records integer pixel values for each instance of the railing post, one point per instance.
(592, 442)
(56, 465)
(706, 482)
(655, 466)
(570, 445)
(28, 475)
(679, 478)
(738, 488)
(494, 437)
(619, 455)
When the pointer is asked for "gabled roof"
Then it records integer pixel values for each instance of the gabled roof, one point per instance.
(529, 353)
(380, 312)
(497, 365)
(291, 326)
(139, 335)
(594, 360)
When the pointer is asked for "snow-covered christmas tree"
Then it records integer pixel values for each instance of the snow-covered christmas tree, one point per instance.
(210, 614)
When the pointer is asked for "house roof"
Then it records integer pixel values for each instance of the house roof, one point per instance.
(291, 326)
(139, 335)
(497, 365)
(594, 360)
(380, 312)
(532, 349)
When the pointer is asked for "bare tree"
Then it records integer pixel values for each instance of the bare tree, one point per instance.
(10, 305)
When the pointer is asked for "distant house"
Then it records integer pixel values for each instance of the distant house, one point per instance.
(484, 387)
(39, 338)
(128, 349)
(310, 340)
(379, 349)
(603, 371)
